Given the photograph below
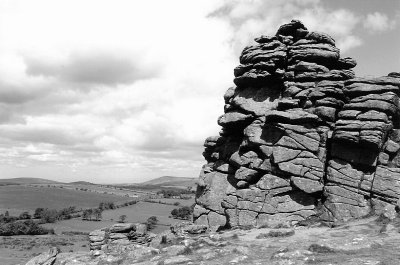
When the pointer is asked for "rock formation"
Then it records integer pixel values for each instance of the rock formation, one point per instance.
(121, 233)
(301, 137)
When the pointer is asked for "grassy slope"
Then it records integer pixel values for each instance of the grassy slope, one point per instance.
(170, 181)
(29, 198)
(27, 181)
(137, 213)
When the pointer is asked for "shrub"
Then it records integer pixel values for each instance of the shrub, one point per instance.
(151, 222)
(107, 206)
(122, 218)
(25, 215)
(184, 212)
(98, 214)
(87, 214)
(7, 218)
(38, 213)
(27, 227)
(50, 216)
(276, 233)
(92, 214)
(316, 248)
(173, 192)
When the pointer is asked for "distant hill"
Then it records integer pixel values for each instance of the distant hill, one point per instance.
(169, 181)
(81, 183)
(27, 181)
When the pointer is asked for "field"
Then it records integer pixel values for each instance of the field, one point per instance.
(19, 198)
(19, 249)
(181, 202)
(24, 196)
(106, 189)
(137, 213)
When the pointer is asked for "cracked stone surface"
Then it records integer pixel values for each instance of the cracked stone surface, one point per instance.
(301, 137)
(372, 240)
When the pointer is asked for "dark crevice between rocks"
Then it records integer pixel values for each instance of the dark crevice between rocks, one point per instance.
(368, 153)
(328, 146)
(231, 179)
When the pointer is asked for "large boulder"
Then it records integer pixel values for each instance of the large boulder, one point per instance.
(46, 258)
(302, 136)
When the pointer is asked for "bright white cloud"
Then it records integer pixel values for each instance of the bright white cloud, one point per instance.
(251, 18)
(124, 84)
(128, 89)
(376, 22)
(348, 43)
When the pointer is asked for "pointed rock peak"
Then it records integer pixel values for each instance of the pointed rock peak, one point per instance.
(294, 28)
(394, 74)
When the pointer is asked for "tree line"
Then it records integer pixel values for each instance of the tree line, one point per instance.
(175, 192)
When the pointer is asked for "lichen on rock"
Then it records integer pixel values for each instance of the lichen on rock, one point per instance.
(301, 137)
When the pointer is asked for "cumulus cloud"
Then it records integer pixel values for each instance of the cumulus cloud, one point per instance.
(349, 42)
(378, 22)
(97, 67)
(249, 19)
(128, 90)
(137, 93)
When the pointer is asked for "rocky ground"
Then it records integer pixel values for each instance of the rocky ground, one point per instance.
(372, 241)
(19, 249)
(302, 139)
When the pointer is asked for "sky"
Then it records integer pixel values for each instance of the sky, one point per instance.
(126, 91)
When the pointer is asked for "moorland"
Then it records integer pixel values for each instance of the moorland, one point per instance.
(67, 202)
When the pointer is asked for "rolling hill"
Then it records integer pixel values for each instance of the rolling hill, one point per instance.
(82, 183)
(169, 181)
(20, 181)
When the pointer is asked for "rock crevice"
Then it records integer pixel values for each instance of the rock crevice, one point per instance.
(301, 137)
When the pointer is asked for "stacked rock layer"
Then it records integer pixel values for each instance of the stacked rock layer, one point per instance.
(301, 137)
(119, 234)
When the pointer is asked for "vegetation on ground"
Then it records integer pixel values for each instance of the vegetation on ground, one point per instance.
(151, 222)
(184, 212)
(122, 218)
(179, 193)
(30, 198)
(23, 227)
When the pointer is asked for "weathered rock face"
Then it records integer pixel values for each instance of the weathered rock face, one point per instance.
(301, 136)
(119, 234)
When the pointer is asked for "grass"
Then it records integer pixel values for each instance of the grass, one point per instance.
(137, 213)
(182, 202)
(20, 249)
(276, 233)
(316, 248)
(21, 197)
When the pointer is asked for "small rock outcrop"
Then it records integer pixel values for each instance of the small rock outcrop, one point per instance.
(46, 258)
(119, 234)
(301, 137)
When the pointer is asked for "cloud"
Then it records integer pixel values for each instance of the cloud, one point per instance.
(250, 19)
(129, 90)
(135, 95)
(378, 22)
(349, 42)
(106, 68)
